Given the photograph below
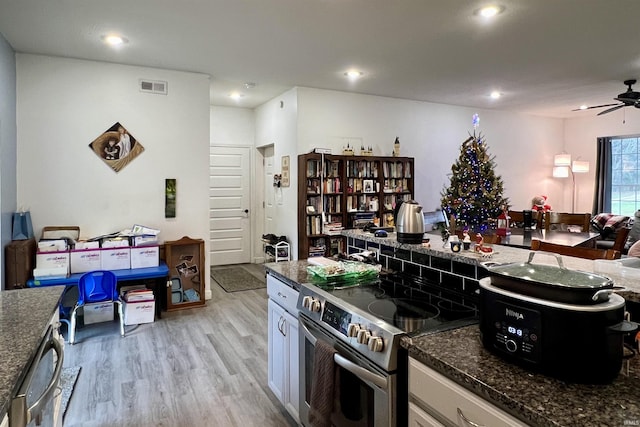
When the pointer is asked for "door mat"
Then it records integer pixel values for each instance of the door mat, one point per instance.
(68, 379)
(236, 279)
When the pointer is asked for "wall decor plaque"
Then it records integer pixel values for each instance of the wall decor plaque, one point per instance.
(116, 147)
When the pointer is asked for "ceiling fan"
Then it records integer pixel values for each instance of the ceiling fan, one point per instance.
(628, 98)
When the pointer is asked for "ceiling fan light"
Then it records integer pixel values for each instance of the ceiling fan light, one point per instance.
(583, 107)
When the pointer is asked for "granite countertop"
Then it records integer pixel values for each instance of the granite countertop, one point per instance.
(536, 399)
(24, 317)
(501, 254)
(291, 272)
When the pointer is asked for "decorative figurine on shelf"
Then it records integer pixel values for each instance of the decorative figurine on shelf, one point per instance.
(366, 151)
(348, 151)
(396, 147)
(466, 239)
(540, 204)
(503, 223)
(485, 251)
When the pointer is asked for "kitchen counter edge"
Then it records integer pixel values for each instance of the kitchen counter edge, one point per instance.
(24, 317)
(536, 399)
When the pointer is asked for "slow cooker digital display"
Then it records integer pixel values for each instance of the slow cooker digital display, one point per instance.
(514, 331)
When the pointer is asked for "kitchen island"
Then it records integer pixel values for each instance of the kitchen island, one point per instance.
(24, 317)
(459, 355)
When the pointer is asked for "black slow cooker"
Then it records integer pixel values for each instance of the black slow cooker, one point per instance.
(563, 323)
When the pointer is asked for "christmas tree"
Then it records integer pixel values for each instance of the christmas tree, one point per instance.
(475, 191)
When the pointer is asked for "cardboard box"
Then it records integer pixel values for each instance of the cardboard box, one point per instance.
(47, 260)
(49, 273)
(86, 260)
(144, 241)
(139, 312)
(98, 312)
(145, 256)
(115, 258)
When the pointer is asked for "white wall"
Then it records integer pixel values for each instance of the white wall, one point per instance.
(277, 123)
(581, 140)
(7, 146)
(64, 104)
(523, 146)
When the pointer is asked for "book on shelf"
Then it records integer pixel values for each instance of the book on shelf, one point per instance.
(333, 228)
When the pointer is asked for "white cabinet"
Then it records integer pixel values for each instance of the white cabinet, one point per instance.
(419, 418)
(283, 345)
(442, 399)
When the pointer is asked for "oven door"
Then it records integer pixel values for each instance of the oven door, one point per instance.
(367, 393)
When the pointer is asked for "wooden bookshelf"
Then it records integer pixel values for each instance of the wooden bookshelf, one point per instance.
(344, 189)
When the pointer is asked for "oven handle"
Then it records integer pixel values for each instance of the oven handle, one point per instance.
(356, 370)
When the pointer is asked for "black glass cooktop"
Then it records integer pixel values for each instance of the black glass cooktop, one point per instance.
(408, 302)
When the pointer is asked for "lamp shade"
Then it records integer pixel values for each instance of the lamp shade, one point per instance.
(561, 172)
(563, 159)
(580, 166)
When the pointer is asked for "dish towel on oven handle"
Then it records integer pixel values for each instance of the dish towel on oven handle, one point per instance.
(323, 382)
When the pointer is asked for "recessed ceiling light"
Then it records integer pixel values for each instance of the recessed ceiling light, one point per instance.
(114, 40)
(249, 85)
(235, 95)
(495, 94)
(490, 11)
(354, 74)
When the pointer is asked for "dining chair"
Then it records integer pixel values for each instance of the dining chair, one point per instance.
(574, 251)
(558, 220)
(94, 287)
(516, 218)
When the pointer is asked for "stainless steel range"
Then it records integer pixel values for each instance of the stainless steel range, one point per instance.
(364, 323)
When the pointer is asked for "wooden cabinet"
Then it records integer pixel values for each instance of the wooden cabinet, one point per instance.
(443, 399)
(185, 260)
(337, 192)
(282, 355)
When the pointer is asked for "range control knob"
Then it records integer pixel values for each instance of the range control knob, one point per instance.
(376, 344)
(311, 304)
(511, 346)
(306, 302)
(315, 305)
(363, 336)
(352, 330)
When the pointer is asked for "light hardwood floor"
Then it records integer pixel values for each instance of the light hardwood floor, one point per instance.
(204, 366)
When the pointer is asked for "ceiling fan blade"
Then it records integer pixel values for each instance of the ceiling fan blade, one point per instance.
(611, 109)
(594, 106)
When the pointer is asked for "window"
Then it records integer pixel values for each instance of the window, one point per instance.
(625, 175)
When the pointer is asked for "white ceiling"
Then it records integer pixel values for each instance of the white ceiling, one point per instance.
(547, 57)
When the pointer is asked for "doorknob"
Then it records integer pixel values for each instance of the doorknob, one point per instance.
(246, 212)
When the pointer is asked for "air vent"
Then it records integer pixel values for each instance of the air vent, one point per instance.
(153, 86)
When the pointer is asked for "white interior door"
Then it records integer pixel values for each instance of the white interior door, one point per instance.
(229, 205)
(269, 194)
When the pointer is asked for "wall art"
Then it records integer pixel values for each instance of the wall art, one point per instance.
(285, 171)
(170, 191)
(116, 147)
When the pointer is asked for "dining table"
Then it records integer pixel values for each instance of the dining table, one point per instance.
(521, 238)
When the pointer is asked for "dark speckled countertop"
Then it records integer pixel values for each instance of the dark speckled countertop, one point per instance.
(536, 399)
(24, 317)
